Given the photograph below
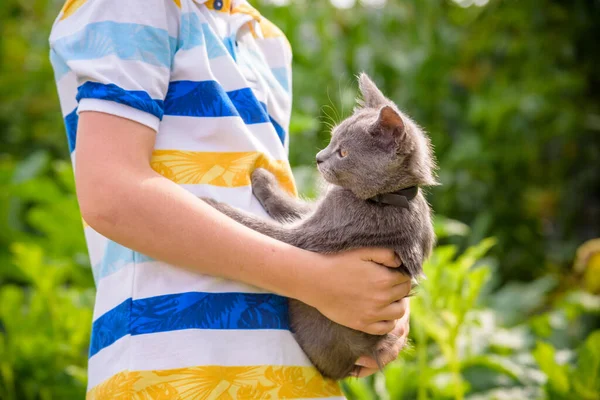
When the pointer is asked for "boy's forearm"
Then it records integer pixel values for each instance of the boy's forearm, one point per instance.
(150, 214)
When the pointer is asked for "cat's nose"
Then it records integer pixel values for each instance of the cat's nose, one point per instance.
(320, 157)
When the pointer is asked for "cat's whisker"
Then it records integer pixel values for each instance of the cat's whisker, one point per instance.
(337, 115)
(340, 95)
(331, 124)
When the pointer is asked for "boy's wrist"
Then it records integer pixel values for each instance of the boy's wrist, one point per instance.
(291, 272)
(305, 273)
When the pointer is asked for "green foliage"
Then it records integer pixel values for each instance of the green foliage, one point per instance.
(46, 288)
(509, 94)
(564, 380)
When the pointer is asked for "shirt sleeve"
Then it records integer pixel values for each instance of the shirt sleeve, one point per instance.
(118, 54)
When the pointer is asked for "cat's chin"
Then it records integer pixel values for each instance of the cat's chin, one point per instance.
(328, 176)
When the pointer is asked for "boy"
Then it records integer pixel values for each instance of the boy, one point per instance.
(165, 101)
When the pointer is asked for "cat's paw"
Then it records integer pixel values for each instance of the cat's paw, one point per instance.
(263, 184)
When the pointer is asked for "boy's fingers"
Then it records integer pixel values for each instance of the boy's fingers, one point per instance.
(366, 372)
(385, 257)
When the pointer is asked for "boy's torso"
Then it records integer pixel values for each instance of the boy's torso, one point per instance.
(159, 330)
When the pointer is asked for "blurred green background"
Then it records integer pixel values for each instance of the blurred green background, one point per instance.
(509, 92)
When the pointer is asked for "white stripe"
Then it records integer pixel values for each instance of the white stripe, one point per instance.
(96, 244)
(193, 65)
(127, 74)
(119, 11)
(240, 197)
(109, 361)
(193, 347)
(67, 91)
(120, 110)
(276, 52)
(218, 134)
(219, 25)
(113, 289)
(227, 73)
(157, 279)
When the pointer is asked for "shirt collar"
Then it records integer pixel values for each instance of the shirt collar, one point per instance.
(232, 7)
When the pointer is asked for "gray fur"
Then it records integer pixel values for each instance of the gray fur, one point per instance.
(384, 152)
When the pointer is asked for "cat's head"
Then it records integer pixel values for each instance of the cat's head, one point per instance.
(378, 149)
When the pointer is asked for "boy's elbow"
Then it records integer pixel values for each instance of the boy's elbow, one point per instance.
(99, 206)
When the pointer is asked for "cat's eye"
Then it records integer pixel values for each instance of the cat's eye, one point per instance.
(342, 153)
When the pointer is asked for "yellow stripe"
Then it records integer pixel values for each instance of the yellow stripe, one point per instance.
(177, 3)
(269, 29)
(230, 169)
(70, 7)
(216, 382)
(245, 8)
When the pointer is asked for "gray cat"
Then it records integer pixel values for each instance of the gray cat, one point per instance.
(375, 163)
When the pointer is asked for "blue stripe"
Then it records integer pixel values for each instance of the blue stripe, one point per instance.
(125, 40)
(208, 99)
(229, 43)
(249, 108)
(279, 129)
(133, 98)
(110, 327)
(192, 310)
(115, 258)
(281, 74)
(214, 46)
(71, 121)
(60, 67)
(191, 32)
(198, 99)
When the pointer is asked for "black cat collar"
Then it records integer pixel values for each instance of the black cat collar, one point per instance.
(399, 198)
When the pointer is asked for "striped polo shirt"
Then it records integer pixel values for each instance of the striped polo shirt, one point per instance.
(212, 78)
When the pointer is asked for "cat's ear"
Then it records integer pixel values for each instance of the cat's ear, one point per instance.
(371, 95)
(390, 124)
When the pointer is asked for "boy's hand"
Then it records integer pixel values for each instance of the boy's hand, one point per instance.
(369, 365)
(359, 289)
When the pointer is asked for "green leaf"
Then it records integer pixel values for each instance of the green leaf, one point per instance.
(473, 254)
(516, 300)
(31, 167)
(586, 377)
(358, 389)
(558, 375)
(445, 227)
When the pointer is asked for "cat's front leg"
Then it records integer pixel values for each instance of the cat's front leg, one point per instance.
(277, 202)
(258, 224)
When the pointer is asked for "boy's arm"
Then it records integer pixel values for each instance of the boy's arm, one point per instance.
(121, 197)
